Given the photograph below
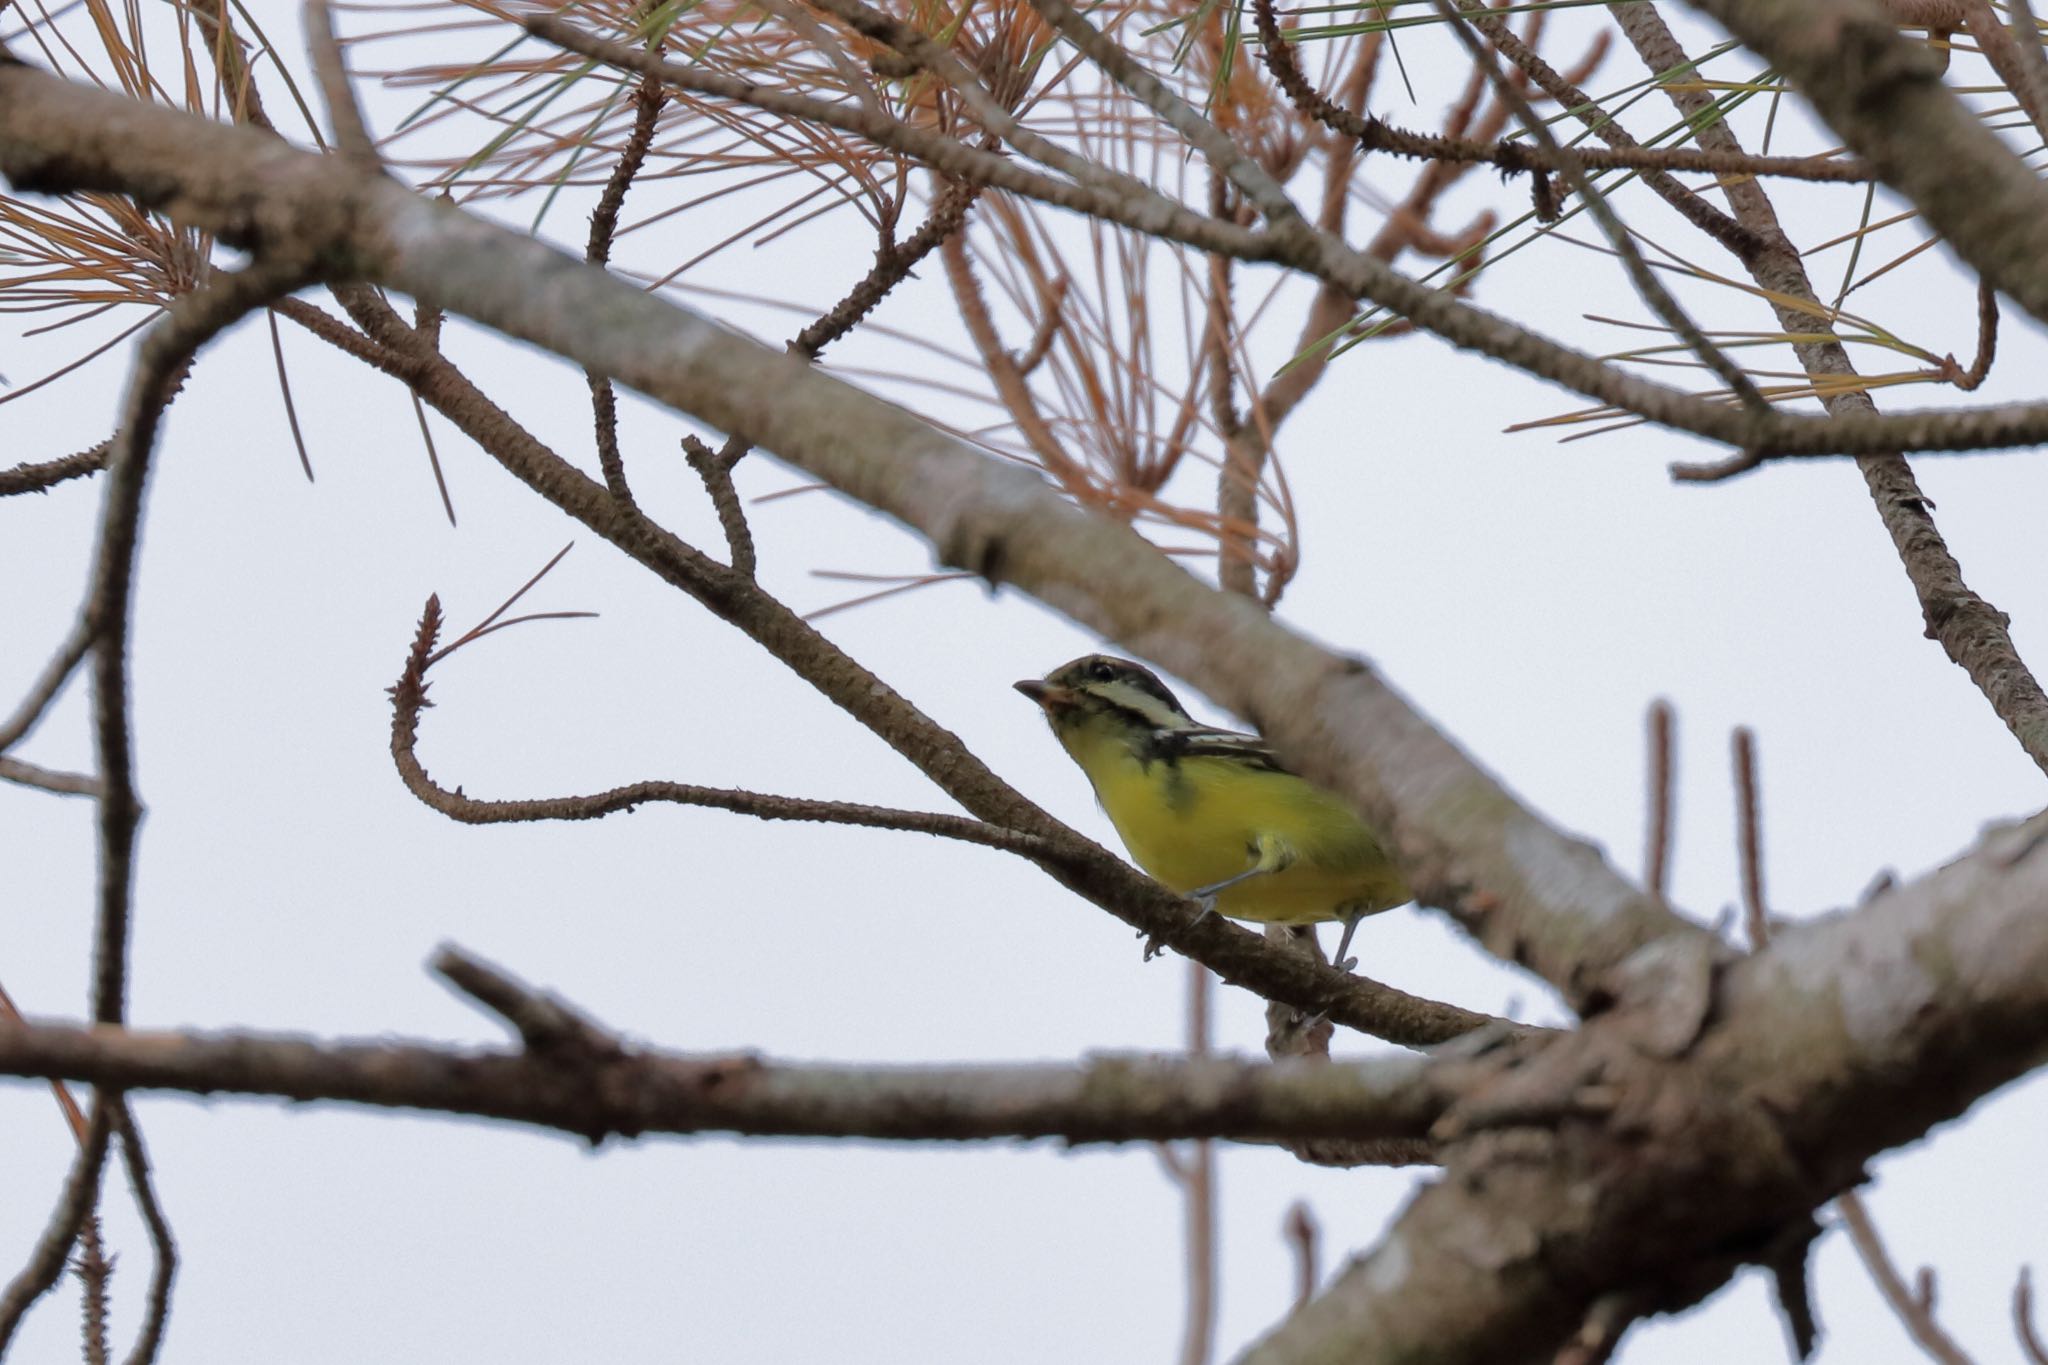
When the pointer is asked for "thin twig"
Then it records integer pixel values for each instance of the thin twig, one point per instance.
(1302, 1235)
(2023, 1314)
(74, 1205)
(351, 134)
(715, 469)
(95, 1270)
(161, 363)
(1712, 221)
(1657, 857)
(1987, 343)
(894, 262)
(1749, 839)
(409, 698)
(893, 265)
(1914, 1312)
(157, 1307)
(52, 780)
(544, 1023)
(1606, 1322)
(1197, 1182)
(1647, 285)
(1522, 158)
(41, 478)
(1224, 156)
(648, 99)
(1974, 634)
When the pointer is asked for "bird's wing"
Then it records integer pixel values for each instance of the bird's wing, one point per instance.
(1200, 741)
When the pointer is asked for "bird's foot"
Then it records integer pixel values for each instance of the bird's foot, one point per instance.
(1156, 943)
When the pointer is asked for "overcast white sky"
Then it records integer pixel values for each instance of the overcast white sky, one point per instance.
(1532, 598)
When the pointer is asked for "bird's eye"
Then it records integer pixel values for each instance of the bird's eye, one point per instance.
(1101, 672)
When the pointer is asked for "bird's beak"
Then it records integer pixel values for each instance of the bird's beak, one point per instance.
(1042, 692)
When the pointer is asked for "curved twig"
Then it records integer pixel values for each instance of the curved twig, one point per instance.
(161, 363)
(164, 1270)
(409, 698)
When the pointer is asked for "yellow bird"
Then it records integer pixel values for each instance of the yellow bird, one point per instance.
(1210, 813)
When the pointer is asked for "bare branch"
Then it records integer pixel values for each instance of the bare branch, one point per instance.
(1551, 904)
(630, 1091)
(1971, 631)
(26, 774)
(1791, 1075)
(1523, 158)
(1197, 1179)
(2023, 1313)
(351, 135)
(1233, 954)
(1647, 286)
(40, 478)
(74, 1205)
(1884, 97)
(436, 252)
(1606, 1321)
(604, 221)
(1749, 839)
(1657, 859)
(95, 1270)
(715, 469)
(157, 1307)
(1914, 1312)
(1987, 343)
(409, 698)
(1302, 1234)
(160, 366)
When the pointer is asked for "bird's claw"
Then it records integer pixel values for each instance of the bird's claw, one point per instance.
(1157, 944)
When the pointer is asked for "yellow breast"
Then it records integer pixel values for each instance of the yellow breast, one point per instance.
(1198, 820)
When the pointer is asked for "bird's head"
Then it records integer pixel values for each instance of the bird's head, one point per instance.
(1101, 689)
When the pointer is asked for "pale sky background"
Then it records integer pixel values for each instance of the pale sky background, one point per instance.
(1530, 597)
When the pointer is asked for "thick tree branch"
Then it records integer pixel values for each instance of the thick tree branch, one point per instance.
(1643, 1157)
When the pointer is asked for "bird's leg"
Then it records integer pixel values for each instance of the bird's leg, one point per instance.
(1269, 854)
(1352, 916)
